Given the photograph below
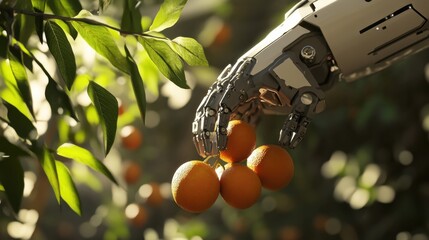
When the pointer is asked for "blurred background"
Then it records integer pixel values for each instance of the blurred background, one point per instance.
(362, 171)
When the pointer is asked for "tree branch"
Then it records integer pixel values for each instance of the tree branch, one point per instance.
(47, 16)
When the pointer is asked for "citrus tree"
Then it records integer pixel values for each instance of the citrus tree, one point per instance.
(53, 55)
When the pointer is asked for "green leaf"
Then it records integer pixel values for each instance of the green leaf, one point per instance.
(168, 62)
(107, 110)
(189, 50)
(49, 167)
(58, 99)
(20, 75)
(84, 156)
(24, 26)
(38, 21)
(39, 7)
(68, 8)
(167, 15)
(11, 93)
(10, 149)
(101, 40)
(137, 84)
(60, 48)
(149, 73)
(18, 121)
(39, 4)
(68, 189)
(3, 46)
(12, 179)
(131, 17)
(24, 4)
(2, 188)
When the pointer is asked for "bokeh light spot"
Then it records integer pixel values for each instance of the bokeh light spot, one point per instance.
(152, 119)
(131, 210)
(145, 191)
(345, 188)
(370, 175)
(405, 157)
(177, 97)
(87, 230)
(335, 165)
(359, 198)
(403, 236)
(419, 236)
(333, 226)
(150, 234)
(269, 204)
(29, 181)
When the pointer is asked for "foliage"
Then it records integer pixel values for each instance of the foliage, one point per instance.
(59, 25)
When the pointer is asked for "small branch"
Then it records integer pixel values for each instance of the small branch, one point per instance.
(47, 16)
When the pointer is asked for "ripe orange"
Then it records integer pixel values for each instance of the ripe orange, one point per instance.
(241, 141)
(223, 35)
(121, 107)
(195, 186)
(136, 214)
(240, 187)
(131, 137)
(153, 196)
(131, 172)
(273, 165)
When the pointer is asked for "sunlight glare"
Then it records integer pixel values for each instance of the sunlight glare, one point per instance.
(334, 165)
(177, 97)
(359, 198)
(165, 189)
(385, 194)
(403, 236)
(131, 210)
(152, 119)
(20, 230)
(29, 181)
(370, 175)
(119, 195)
(150, 234)
(345, 188)
(29, 216)
(145, 191)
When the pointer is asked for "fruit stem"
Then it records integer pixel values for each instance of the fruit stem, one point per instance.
(216, 163)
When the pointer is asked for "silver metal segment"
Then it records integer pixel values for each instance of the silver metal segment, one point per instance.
(368, 36)
(272, 46)
(293, 77)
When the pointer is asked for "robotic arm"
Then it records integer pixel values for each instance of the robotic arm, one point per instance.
(319, 43)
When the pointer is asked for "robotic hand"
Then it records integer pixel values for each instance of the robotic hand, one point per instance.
(319, 43)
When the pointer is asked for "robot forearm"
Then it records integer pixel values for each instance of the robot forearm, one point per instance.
(287, 73)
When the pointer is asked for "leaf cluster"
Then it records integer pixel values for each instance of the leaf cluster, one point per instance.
(59, 24)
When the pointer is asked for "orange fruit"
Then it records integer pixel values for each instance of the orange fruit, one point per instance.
(195, 186)
(152, 194)
(273, 165)
(223, 35)
(241, 141)
(121, 107)
(136, 214)
(240, 187)
(131, 137)
(131, 172)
